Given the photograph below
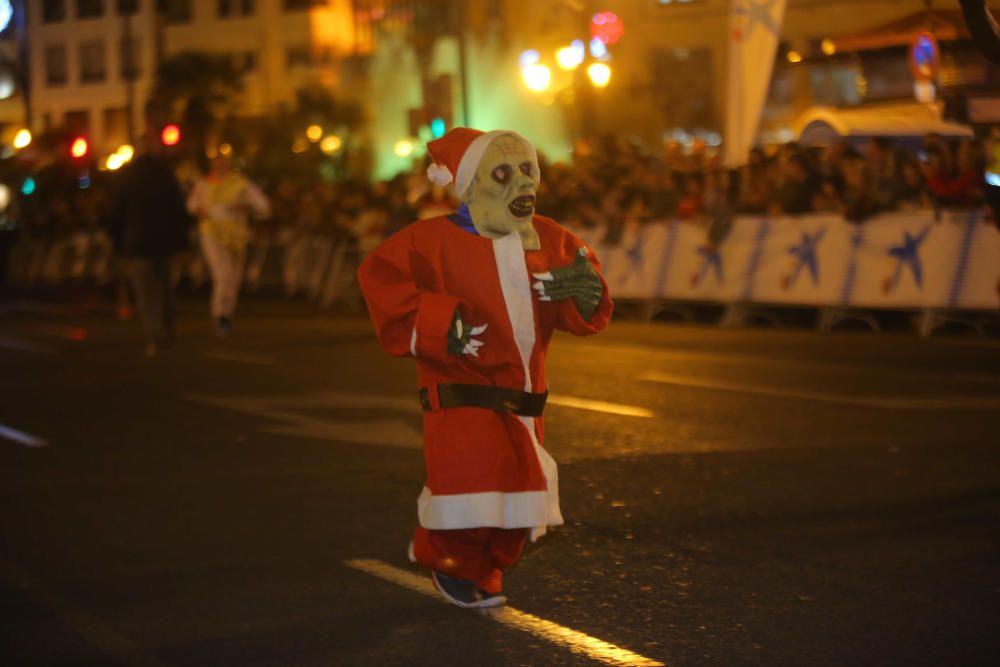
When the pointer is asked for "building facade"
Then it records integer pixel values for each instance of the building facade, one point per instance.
(92, 63)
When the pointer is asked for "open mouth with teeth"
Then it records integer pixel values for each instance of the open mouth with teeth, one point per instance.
(522, 206)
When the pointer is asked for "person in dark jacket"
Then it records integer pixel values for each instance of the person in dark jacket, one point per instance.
(149, 224)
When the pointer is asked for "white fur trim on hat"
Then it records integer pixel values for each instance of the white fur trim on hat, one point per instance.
(474, 153)
(438, 174)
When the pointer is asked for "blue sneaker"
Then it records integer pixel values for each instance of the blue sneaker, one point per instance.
(459, 592)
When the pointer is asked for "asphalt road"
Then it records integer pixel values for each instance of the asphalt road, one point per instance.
(780, 498)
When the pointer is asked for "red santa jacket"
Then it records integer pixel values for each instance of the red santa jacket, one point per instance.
(483, 468)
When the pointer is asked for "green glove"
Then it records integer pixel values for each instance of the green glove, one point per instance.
(460, 337)
(578, 281)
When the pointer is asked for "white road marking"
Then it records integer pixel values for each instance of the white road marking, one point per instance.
(575, 641)
(241, 357)
(884, 402)
(24, 345)
(599, 406)
(21, 437)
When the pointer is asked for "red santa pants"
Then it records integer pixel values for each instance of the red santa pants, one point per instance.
(477, 554)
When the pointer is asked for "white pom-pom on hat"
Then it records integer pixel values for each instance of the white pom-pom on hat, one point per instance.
(439, 174)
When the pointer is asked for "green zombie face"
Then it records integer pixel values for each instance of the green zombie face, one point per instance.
(501, 197)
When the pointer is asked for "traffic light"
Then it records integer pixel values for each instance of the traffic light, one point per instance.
(171, 135)
(79, 148)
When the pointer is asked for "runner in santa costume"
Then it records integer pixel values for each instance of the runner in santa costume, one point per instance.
(474, 298)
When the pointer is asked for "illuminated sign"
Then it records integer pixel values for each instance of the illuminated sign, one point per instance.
(6, 14)
(925, 56)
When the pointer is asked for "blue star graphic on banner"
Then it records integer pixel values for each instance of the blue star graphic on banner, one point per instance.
(908, 254)
(635, 254)
(758, 12)
(805, 253)
(710, 259)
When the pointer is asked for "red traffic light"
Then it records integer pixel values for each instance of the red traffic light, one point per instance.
(79, 148)
(171, 135)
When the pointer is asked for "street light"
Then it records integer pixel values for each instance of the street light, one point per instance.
(330, 144)
(570, 57)
(537, 77)
(600, 74)
(403, 148)
(314, 133)
(22, 139)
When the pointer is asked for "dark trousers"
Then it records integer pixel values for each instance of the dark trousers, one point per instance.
(993, 199)
(154, 296)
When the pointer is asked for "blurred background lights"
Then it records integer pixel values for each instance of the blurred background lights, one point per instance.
(607, 27)
(597, 48)
(4, 197)
(125, 152)
(438, 127)
(403, 148)
(28, 186)
(114, 161)
(330, 144)
(537, 77)
(314, 133)
(528, 58)
(22, 139)
(79, 147)
(171, 135)
(225, 149)
(794, 57)
(600, 74)
(570, 57)
(828, 46)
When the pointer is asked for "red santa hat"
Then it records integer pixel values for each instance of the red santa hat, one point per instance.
(456, 155)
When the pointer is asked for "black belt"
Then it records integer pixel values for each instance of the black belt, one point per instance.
(498, 399)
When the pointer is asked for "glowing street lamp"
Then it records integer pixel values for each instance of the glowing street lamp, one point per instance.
(600, 74)
(125, 152)
(537, 77)
(403, 148)
(330, 144)
(22, 139)
(570, 57)
(314, 133)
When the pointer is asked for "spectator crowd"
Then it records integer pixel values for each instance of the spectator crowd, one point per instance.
(317, 230)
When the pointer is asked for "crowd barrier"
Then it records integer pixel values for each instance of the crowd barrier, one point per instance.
(940, 265)
(937, 264)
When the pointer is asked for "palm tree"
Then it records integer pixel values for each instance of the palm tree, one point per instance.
(198, 88)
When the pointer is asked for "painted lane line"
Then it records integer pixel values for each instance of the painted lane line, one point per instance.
(599, 406)
(860, 368)
(884, 402)
(577, 642)
(241, 358)
(22, 438)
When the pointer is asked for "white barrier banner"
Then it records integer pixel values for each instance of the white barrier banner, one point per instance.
(900, 260)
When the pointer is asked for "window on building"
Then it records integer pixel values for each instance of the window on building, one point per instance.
(177, 11)
(56, 69)
(131, 59)
(89, 9)
(298, 56)
(299, 5)
(78, 122)
(53, 11)
(92, 69)
(116, 126)
(232, 8)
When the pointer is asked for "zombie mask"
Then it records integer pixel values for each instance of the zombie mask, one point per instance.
(501, 197)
